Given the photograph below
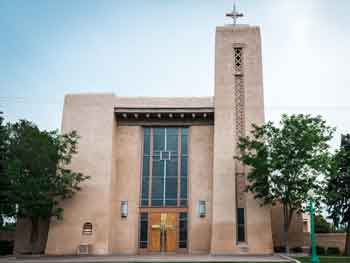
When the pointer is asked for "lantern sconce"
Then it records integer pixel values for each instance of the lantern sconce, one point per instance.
(201, 208)
(124, 209)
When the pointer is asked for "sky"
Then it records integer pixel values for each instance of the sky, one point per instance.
(166, 48)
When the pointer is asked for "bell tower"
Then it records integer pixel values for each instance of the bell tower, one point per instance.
(240, 225)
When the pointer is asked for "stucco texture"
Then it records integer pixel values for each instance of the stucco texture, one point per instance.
(112, 155)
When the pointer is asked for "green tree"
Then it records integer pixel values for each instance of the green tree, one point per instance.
(2, 157)
(6, 207)
(36, 168)
(337, 191)
(321, 224)
(286, 161)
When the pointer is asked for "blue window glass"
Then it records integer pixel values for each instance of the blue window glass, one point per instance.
(183, 230)
(171, 139)
(184, 144)
(240, 225)
(145, 167)
(163, 155)
(146, 140)
(158, 139)
(158, 183)
(184, 168)
(143, 230)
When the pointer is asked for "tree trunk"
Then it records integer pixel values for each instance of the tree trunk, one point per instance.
(34, 233)
(347, 241)
(285, 228)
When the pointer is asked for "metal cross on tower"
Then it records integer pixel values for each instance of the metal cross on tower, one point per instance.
(234, 14)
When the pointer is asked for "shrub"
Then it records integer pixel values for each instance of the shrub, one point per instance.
(321, 225)
(279, 249)
(320, 251)
(6, 247)
(8, 227)
(333, 251)
(296, 250)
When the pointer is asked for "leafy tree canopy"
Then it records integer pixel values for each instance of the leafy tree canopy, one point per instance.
(286, 160)
(36, 169)
(321, 225)
(6, 207)
(337, 191)
(34, 173)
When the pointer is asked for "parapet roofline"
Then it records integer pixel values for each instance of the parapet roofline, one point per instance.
(163, 102)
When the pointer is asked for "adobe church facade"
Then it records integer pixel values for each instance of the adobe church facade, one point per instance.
(163, 176)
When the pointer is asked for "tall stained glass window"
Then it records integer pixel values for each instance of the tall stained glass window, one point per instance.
(184, 168)
(164, 175)
(145, 167)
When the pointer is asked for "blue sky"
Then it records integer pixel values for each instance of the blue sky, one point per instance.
(166, 48)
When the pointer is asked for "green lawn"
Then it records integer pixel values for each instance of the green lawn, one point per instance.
(327, 259)
(302, 259)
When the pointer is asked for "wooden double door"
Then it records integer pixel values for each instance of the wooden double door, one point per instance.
(163, 232)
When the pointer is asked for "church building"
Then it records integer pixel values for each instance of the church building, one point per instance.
(163, 173)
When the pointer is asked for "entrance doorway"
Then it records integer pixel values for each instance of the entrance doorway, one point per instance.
(163, 230)
(163, 236)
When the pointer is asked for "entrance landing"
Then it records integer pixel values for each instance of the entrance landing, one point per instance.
(145, 258)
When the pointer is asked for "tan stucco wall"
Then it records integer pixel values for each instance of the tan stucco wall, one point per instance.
(329, 240)
(111, 155)
(223, 213)
(224, 206)
(296, 236)
(258, 217)
(200, 185)
(92, 116)
(164, 102)
(295, 229)
(126, 187)
(325, 240)
(22, 236)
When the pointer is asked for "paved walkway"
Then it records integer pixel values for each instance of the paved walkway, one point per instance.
(143, 258)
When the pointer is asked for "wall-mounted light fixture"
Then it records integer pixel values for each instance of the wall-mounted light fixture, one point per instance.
(124, 208)
(201, 208)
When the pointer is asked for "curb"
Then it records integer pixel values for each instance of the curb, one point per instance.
(289, 258)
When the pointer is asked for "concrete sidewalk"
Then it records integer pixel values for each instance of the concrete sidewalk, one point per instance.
(143, 258)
